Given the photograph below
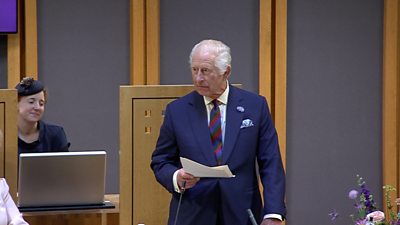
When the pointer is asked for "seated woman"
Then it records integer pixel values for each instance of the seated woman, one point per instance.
(9, 213)
(34, 135)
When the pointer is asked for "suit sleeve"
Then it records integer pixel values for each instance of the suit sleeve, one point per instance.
(57, 139)
(270, 165)
(54, 138)
(165, 158)
(63, 142)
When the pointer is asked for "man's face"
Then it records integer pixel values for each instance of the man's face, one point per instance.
(207, 79)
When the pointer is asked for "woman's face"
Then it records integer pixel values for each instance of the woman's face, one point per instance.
(31, 108)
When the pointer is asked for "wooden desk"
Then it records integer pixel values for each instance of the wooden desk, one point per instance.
(77, 217)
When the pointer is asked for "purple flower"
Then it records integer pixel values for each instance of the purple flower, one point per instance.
(334, 215)
(366, 211)
(361, 222)
(358, 206)
(353, 194)
(397, 222)
(369, 202)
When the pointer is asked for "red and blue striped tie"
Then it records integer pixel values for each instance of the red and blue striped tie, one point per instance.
(216, 131)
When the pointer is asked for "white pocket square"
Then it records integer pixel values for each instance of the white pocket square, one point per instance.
(246, 123)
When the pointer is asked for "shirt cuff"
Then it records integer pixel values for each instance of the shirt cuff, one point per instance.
(175, 182)
(273, 216)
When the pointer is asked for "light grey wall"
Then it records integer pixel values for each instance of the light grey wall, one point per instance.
(83, 49)
(333, 106)
(185, 23)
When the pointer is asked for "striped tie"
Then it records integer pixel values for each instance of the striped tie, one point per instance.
(216, 131)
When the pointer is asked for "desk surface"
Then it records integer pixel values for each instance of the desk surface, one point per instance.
(113, 198)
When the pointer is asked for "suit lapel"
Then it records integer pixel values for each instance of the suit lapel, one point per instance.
(234, 118)
(199, 126)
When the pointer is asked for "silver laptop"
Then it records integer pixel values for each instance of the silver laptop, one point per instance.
(61, 178)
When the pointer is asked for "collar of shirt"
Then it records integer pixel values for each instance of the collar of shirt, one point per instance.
(223, 98)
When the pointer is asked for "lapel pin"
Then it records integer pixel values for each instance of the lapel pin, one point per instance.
(240, 109)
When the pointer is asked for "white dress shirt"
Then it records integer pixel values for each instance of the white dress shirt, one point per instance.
(9, 213)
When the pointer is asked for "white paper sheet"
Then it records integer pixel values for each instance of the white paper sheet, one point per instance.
(199, 170)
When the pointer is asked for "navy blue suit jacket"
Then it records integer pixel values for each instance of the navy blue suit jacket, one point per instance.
(185, 133)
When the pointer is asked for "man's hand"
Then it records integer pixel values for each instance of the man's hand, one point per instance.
(186, 178)
(271, 222)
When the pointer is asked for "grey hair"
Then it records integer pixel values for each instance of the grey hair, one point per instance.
(223, 53)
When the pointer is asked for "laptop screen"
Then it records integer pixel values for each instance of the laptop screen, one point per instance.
(61, 178)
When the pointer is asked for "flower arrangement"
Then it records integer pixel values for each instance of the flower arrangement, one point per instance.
(366, 211)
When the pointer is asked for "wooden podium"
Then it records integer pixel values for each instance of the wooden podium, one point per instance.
(9, 138)
(77, 217)
(142, 199)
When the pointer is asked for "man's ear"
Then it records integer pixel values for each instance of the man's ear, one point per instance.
(227, 72)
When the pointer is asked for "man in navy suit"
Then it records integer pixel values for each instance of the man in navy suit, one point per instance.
(249, 147)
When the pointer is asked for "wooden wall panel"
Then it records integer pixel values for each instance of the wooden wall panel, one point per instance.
(272, 63)
(22, 56)
(9, 146)
(153, 42)
(145, 42)
(13, 60)
(2, 148)
(391, 96)
(138, 42)
(265, 50)
(14, 53)
(31, 55)
(279, 106)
